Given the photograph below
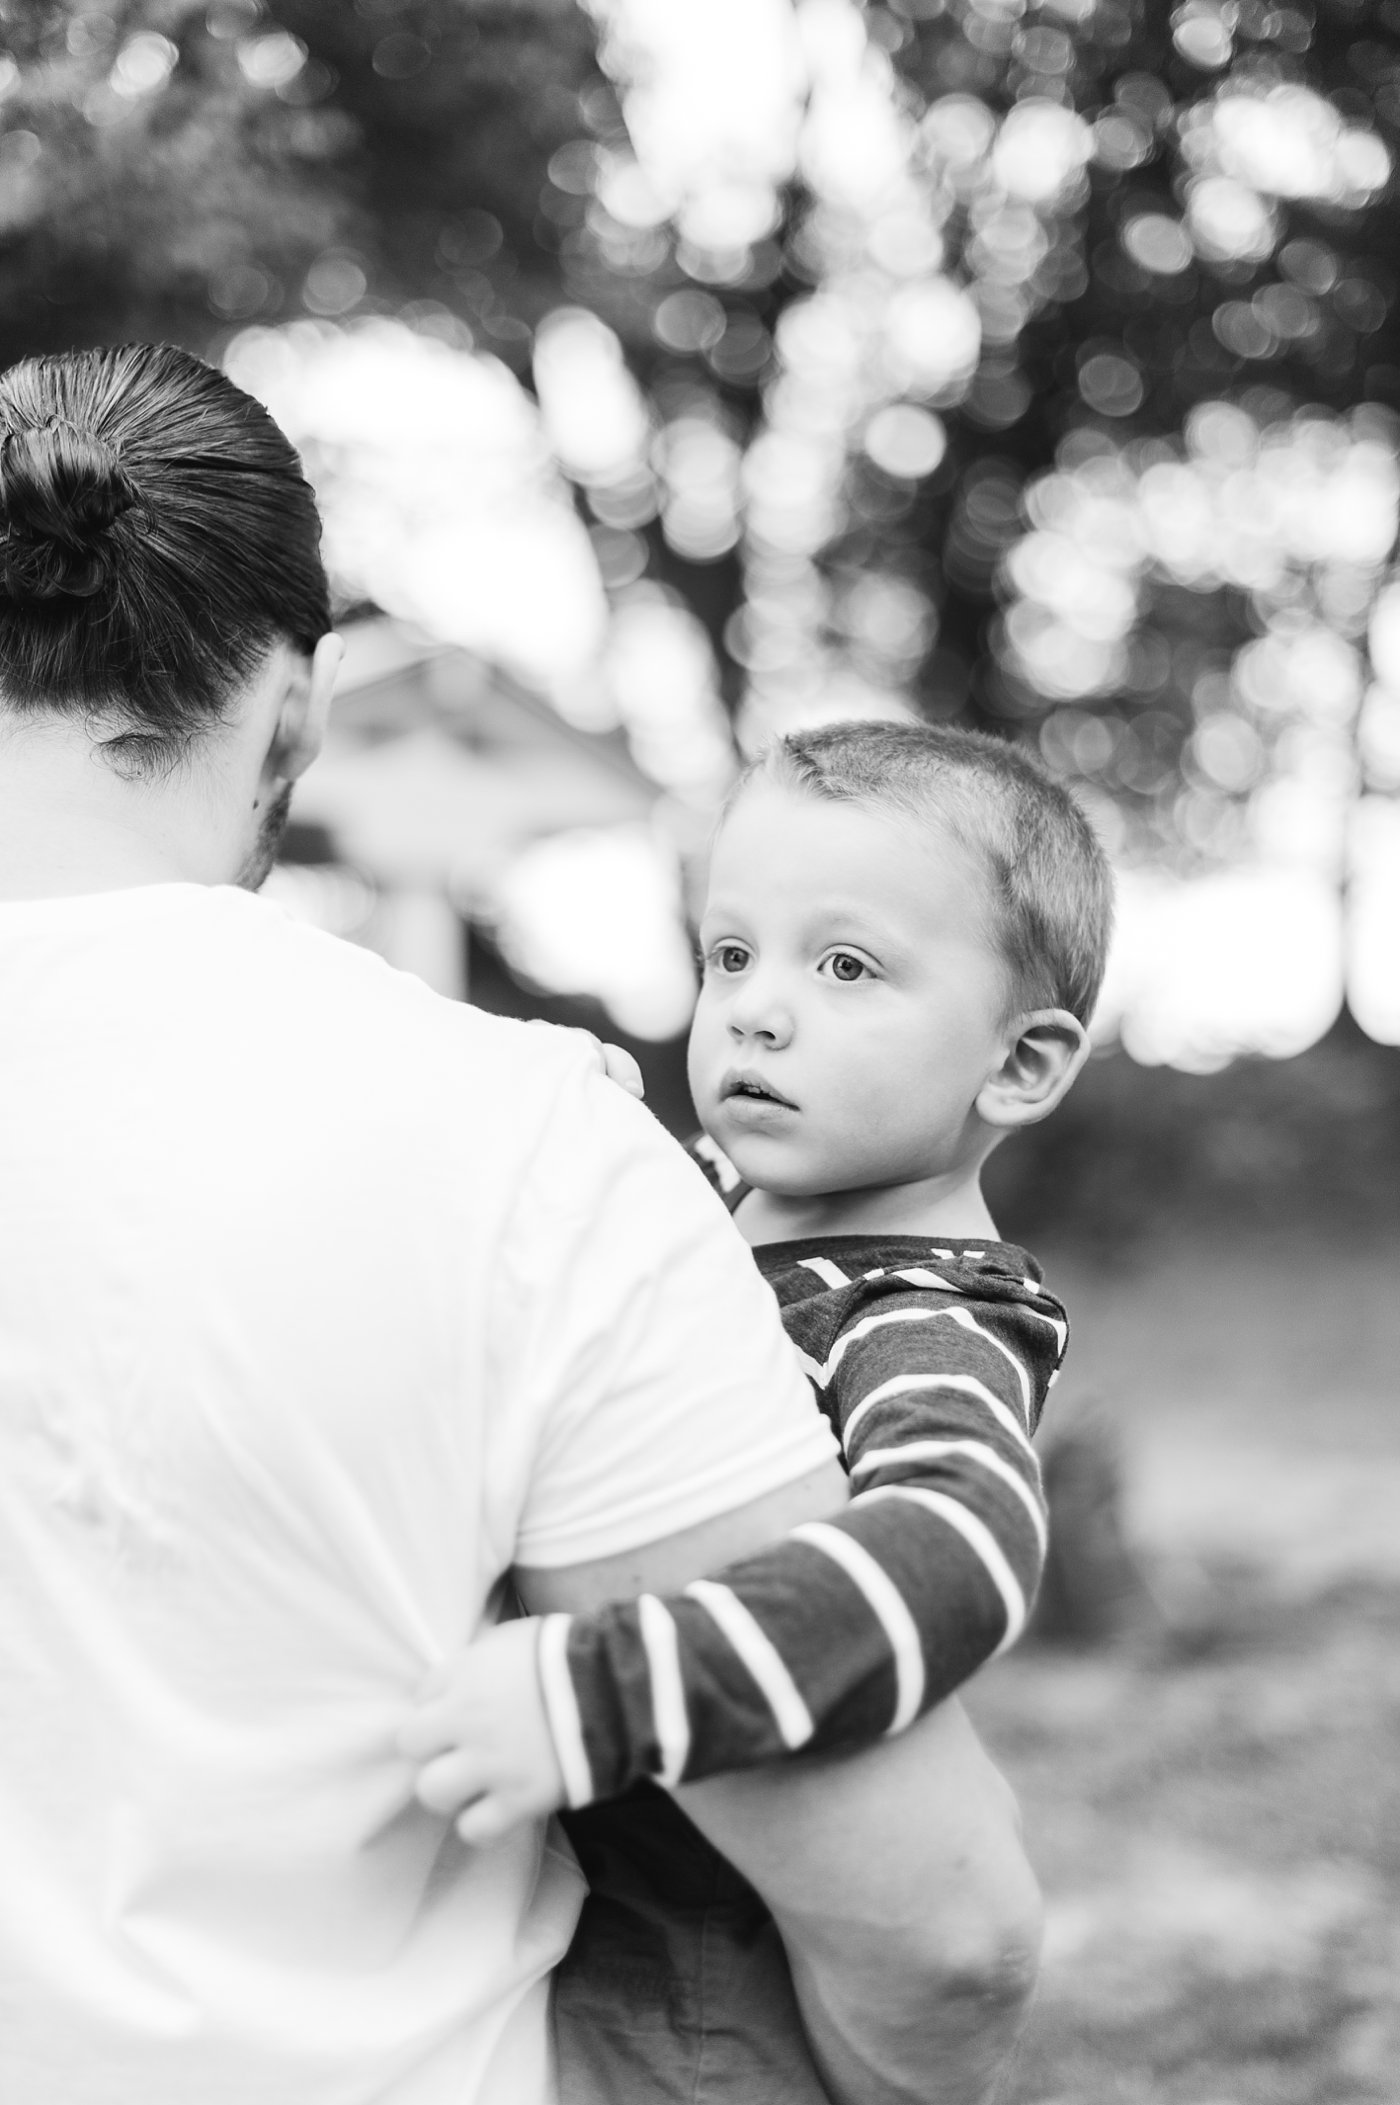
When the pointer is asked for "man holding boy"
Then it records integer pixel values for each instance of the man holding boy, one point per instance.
(323, 1305)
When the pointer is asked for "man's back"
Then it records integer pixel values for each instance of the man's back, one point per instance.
(305, 1337)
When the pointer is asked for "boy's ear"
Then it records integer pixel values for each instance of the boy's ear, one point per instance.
(1038, 1064)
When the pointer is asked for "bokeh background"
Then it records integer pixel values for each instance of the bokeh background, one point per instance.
(673, 372)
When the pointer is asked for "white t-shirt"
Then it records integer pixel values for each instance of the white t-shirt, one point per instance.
(322, 1302)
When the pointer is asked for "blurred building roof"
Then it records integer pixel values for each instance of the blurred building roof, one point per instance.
(439, 766)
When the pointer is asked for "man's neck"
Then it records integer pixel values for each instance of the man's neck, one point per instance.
(950, 1206)
(70, 824)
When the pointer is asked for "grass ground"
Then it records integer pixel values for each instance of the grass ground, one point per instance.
(1218, 1834)
(1216, 1818)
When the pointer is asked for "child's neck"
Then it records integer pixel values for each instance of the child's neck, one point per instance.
(947, 1206)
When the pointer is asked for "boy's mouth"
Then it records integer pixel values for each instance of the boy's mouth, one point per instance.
(743, 1082)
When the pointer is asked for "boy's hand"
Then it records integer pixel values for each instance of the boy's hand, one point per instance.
(617, 1065)
(482, 1734)
(620, 1067)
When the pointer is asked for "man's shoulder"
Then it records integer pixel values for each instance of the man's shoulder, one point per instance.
(324, 983)
(408, 1067)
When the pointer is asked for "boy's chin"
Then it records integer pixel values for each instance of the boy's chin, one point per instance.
(788, 1165)
(778, 1179)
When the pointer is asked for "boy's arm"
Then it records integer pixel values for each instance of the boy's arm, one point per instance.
(862, 1863)
(852, 1627)
(849, 1628)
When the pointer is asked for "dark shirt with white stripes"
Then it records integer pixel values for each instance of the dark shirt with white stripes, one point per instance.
(932, 1360)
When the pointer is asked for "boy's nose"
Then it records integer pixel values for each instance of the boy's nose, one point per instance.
(756, 1016)
(761, 1033)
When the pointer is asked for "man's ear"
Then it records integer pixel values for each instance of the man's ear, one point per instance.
(1038, 1064)
(303, 710)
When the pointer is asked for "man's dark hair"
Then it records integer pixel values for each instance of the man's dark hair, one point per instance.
(157, 537)
(1051, 890)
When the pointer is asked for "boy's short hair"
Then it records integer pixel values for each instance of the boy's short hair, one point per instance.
(1051, 886)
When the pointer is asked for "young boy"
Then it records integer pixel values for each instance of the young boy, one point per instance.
(903, 938)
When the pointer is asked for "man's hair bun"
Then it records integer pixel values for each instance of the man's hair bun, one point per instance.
(157, 539)
(61, 491)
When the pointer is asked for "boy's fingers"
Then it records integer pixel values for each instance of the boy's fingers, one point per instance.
(621, 1068)
(448, 1783)
(426, 1732)
(485, 1822)
(447, 1719)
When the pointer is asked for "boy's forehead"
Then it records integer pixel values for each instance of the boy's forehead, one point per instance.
(772, 823)
(778, 841)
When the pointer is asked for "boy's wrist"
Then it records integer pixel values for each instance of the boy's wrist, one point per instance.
(561, 1710)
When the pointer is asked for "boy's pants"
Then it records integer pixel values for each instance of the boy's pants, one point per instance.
(681, 2001)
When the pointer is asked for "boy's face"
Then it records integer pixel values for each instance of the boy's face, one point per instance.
(848, 972)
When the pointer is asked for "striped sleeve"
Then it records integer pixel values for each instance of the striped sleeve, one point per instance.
(851, 1628)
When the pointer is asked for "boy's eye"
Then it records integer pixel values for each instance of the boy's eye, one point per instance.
(843, 965)
(729, 957)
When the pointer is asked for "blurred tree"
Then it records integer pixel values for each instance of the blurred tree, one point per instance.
(1111, 305)
(1013, 248)
(170, 168)
(1226, 234)
(1078, 223)
(148, 179)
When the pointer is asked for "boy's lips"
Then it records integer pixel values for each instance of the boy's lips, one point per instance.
(743, 1085)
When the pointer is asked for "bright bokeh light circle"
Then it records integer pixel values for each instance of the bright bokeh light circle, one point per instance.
(599, 913)
(712, 94)
(592, 406)
(933, 337)
(660, 671)
(905, 440)
(1242, 960)
(1204, 39)
(1373, 982)
(958, 130)
(436, 487)
(1229, 221)
(1292, 142)
(147, 61)
(1160, 244)
(1040, 149)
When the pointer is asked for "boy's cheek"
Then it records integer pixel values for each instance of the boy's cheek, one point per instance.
(701, 1060)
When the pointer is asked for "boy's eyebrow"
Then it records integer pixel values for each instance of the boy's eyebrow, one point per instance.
(721, 910)
(845, 916)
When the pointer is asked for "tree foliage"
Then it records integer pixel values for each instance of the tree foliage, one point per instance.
(168, 168)
(1062, 188)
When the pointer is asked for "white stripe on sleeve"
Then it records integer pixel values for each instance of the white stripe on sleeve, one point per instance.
(812, 1368)
(888, 1606)
(561, 1709)
(667, 1689)
(1061, 1330)
(969, 1322)
(829, 1274)
(934, 1450)
(961, 1316)
(964, 1384)
(761, 1656)
(978, 1538)
(863, 1330)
